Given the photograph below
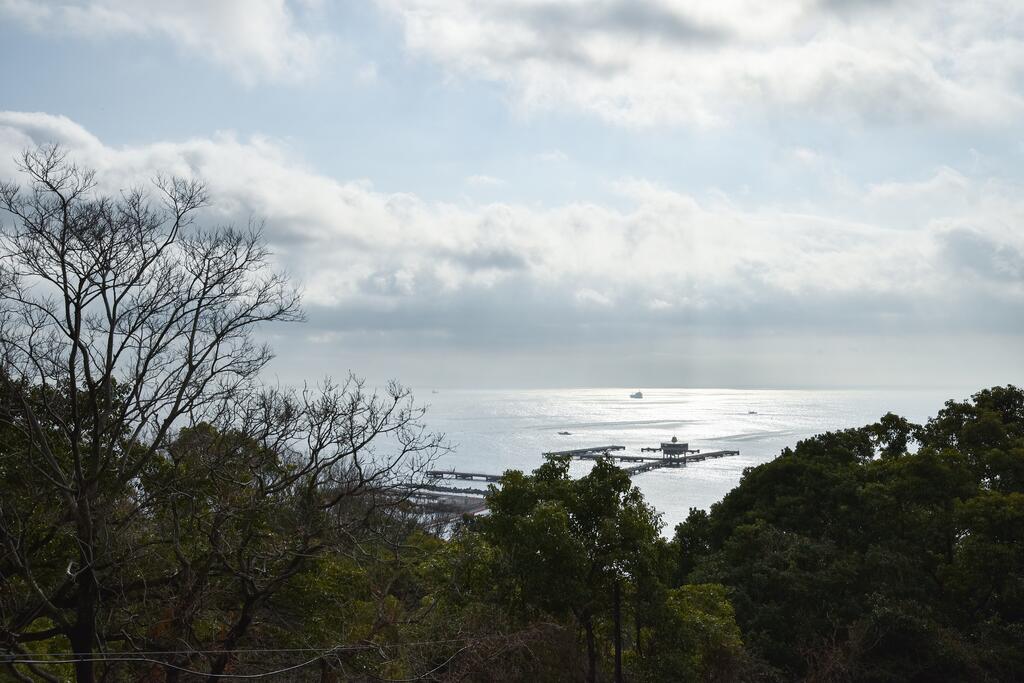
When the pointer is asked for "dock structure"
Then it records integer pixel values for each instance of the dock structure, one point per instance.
(672, 455)
(436, 494)
(671, 448)
(625, 458)
(451, 505)
(676, 461)
(464, 476)
(704, 456)
(587, 453)
(431, 488)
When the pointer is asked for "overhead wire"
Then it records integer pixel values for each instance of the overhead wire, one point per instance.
(361, 646)
(182, 669)
(143, 656)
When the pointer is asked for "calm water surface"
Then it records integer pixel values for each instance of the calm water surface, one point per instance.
(498, 430)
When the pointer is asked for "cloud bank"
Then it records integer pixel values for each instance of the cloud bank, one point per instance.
(255, 40)
(649, 62)
(931, 258)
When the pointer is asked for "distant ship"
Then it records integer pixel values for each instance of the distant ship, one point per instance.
(751, 412)
(565, 433)
(637, 394)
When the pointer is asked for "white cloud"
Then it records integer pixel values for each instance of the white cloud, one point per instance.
(667, 252)
(590, 297)
(658, 305)
(367, 74)
(806, 156)
(484, 181)
(256, 40)
(644, 62)
(944, 183)
(553, 156)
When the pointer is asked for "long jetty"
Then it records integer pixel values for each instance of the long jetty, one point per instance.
(675, 461)
(456, 504)
(464, 476)
(433, 495)
(588, 453)
(440, 488)
(470, 500)
(679, 456)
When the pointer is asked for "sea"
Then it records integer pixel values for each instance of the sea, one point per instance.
(492, 431)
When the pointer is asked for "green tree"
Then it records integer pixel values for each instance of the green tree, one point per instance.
(570, 546)
(852, 557)
(116, 320)
(692, 636)
(142, 462)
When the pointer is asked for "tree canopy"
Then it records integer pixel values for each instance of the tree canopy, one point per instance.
(890, 552)
(166, 516)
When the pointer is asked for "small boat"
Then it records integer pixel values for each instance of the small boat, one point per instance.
(751, 412)
(565, 433)
(637, 394)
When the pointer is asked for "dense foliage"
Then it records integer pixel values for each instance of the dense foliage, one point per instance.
(163, 516)
(888, 553)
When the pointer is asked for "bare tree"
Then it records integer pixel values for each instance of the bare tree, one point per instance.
(121, 325)
(284, 479)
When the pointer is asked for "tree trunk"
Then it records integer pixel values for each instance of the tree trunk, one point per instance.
(83, 633)
(327, 675)
(617, 615)
(236, 632)
(638, 645)
(82, 637)
(588, 626)
(83, 667)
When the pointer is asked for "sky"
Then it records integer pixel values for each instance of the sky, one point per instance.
(529, 193)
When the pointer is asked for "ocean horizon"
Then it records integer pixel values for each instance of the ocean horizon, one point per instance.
(494, 430)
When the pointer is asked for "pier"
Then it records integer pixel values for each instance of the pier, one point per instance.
(672, 455)
(436, 494)
(450, 502)
(596, 451)
(464, 476)
(450, 505)
(623, 458)
(440, 488)
(671, 448)
(676, 461)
